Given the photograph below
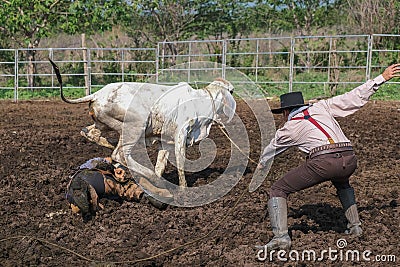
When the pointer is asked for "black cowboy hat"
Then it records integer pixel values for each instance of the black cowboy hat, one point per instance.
(290, 101)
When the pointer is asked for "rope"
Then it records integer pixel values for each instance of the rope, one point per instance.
(138, 260)
(222, 128)
(244, 191)
(48, 243)
(169, 250)
(237, 147)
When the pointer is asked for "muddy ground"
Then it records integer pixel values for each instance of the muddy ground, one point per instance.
(40, 144)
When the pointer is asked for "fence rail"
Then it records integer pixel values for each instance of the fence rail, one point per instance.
(274, 63)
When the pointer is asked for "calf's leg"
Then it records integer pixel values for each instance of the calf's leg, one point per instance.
(151, 182)
(93, 134)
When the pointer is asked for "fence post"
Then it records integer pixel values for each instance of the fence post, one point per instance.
(224, 51)
(16, 75)
(189, 63)
(292, 42)
(157, 61)
(89, 71)
(51, 56)
(122, 64)
(257, 59)
(329, 59)
(369, 58)
(85, 65)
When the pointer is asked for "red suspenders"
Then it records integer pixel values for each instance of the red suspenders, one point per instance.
(308, 117)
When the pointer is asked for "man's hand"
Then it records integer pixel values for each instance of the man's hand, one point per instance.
(391, 72)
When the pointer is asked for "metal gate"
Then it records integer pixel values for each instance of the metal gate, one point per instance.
(322, 64)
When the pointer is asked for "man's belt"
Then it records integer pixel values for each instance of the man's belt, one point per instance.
(330, 148)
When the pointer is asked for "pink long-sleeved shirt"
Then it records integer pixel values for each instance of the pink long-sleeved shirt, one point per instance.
(304, 135)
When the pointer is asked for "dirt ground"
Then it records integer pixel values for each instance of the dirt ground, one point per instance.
(40, 144)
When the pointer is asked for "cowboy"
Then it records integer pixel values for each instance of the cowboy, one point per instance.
(314, 130)
(101, 177)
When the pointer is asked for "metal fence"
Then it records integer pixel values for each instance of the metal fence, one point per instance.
(322, 64)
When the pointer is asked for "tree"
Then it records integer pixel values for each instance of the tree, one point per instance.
(167, 20)
(25, 23)
(374, 16)
(225, 19)
(162, 21)
(265, 19)
(306, 15)
(94, 16)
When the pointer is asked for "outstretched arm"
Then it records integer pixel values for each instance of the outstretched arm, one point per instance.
(350, 102)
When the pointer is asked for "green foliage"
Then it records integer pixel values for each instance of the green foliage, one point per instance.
(305, 15)
(75, 68)
(6, 94)
(26, 22)
(162, 20)
(224, 18)
(7, 56)
(91, 16)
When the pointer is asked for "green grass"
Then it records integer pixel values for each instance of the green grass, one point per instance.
(6, 94)
(316, 90)
(388, 92)
(312, 91)
(27, 94)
